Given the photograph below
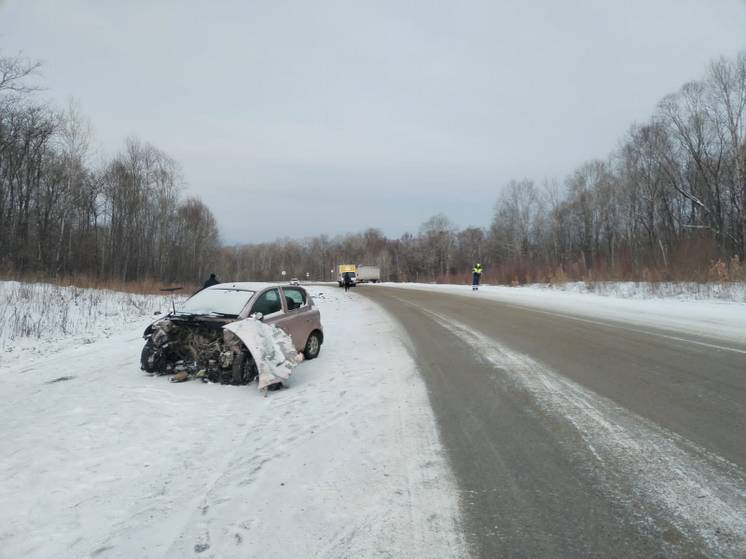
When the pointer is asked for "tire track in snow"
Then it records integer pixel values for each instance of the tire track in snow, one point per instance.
(671, 478)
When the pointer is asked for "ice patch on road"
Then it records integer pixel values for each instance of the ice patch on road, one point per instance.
(701, 494)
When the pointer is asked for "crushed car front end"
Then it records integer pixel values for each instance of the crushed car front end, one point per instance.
(193, 340)
(196, 345)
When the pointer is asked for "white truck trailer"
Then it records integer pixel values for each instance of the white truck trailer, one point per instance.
(370, 274)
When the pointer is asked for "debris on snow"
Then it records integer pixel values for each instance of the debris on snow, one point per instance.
(59, 379)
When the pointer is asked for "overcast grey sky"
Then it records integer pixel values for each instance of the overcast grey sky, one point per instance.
(295, 118)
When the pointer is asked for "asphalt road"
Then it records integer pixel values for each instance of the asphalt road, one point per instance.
(578, 438)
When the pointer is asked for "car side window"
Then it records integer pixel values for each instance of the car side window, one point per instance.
(267, 303)
(294, 298)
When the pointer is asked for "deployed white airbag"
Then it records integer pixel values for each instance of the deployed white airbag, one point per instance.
(272, 349)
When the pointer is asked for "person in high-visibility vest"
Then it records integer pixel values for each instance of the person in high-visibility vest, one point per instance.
(476, 273)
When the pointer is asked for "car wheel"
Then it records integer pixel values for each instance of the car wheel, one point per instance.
(244, 368)
(313, 346)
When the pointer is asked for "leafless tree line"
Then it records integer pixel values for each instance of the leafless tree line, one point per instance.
(437, 251)
(669, 203)
(60, 215)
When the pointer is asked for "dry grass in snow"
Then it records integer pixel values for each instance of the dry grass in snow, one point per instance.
(36, 315)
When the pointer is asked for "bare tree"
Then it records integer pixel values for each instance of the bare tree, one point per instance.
(14, 72)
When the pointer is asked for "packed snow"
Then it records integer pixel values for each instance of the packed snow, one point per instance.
(101, 460)
(674, 309)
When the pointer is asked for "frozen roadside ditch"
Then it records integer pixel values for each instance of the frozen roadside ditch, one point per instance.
(344, 463)
(715, 319)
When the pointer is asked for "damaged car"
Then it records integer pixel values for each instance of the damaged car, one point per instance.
(193, 339)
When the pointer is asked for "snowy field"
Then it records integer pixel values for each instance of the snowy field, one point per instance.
(701, 311)
(100, 460)
(37, 319)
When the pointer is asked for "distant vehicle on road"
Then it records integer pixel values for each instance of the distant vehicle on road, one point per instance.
(343, 269)
(370, 274)
(294, 281)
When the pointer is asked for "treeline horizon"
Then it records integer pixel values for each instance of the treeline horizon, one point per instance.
(669, 204)
(122, 218)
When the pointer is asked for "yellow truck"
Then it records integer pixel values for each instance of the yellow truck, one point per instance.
(343, 269)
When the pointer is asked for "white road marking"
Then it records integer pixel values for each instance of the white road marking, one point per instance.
(671, 478)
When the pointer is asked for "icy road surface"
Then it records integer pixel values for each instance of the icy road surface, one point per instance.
(100, 460)
(585, 426)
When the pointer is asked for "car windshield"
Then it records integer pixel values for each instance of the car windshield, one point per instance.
(217, 301)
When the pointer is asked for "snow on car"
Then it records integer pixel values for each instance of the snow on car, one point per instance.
(222, 334)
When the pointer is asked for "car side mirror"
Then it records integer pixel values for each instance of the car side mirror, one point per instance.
(258, 316)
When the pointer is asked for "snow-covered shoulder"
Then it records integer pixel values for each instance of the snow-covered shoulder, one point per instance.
(38, 319)
(710, 310)
(102, 460)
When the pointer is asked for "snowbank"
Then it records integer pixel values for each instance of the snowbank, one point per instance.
(101, 460)
(40, 318)
(635, 304)
(682, 291)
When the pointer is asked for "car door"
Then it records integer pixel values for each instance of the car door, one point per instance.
(296, 321)
(270, 305)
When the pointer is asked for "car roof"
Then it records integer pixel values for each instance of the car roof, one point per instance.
(246, 285)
